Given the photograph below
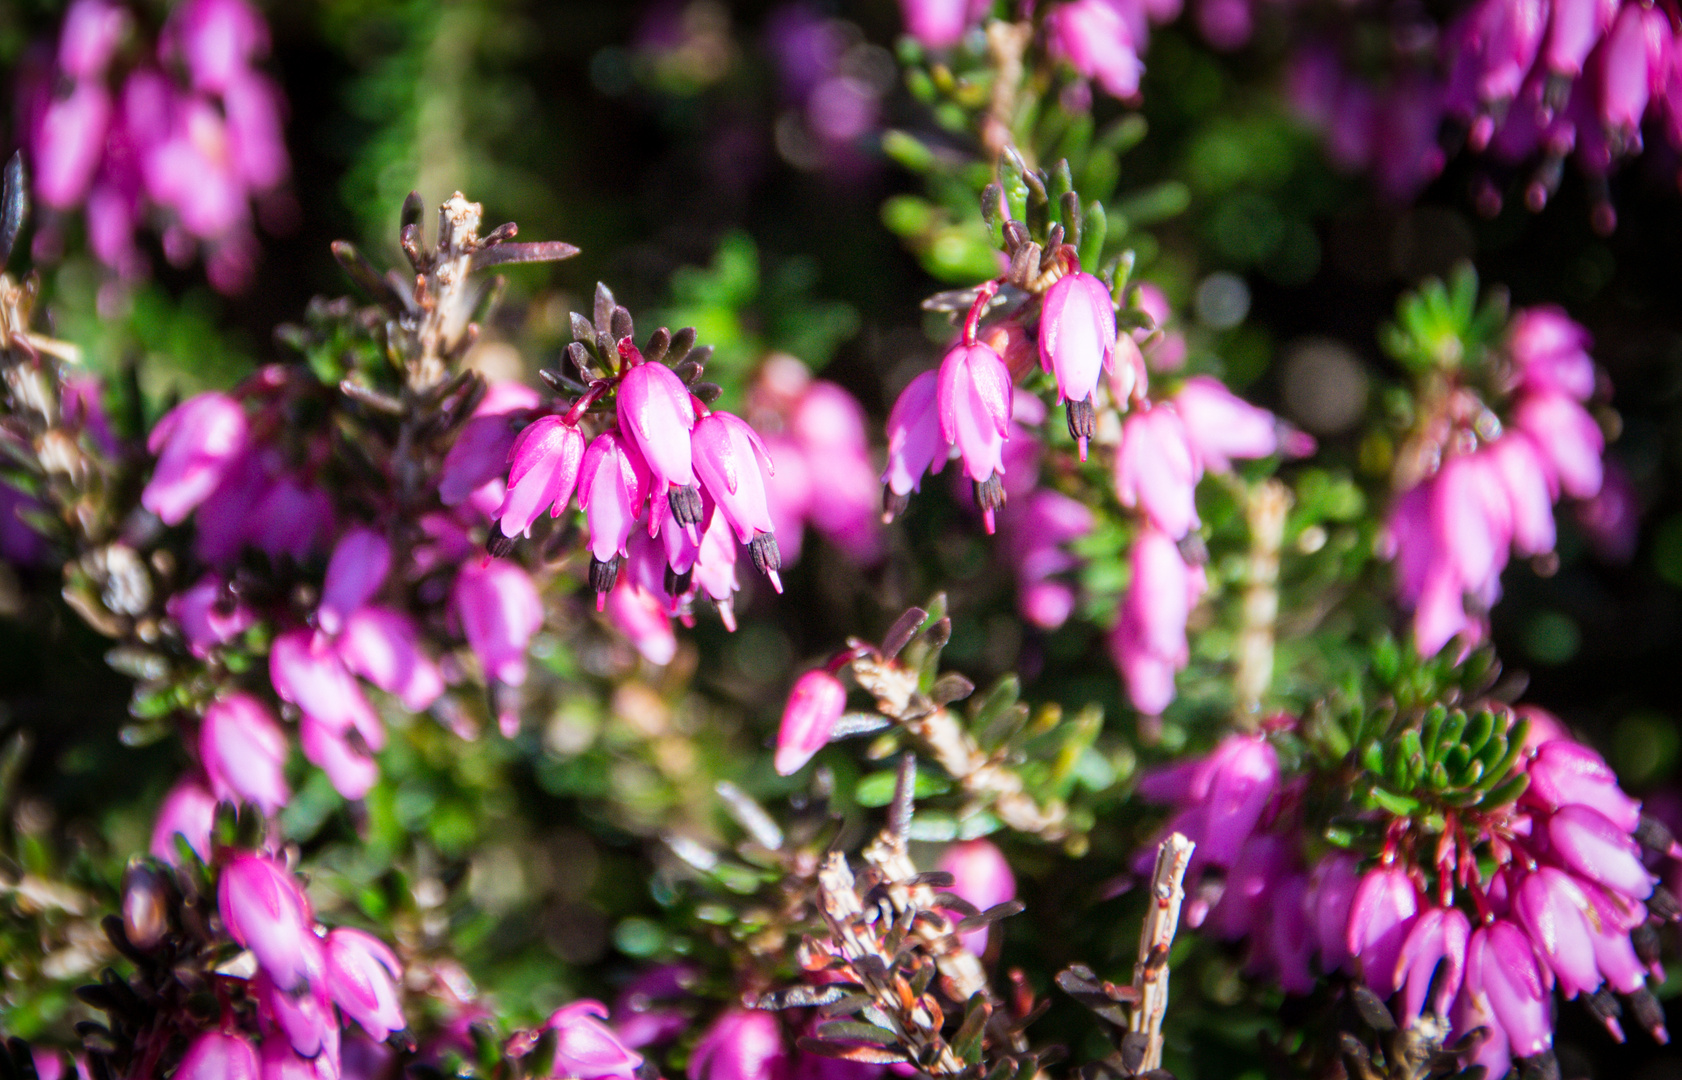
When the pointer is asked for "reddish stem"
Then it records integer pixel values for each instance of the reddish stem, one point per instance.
(592, 395)
(972, 321)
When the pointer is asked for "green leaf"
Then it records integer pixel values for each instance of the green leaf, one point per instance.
(1399, 805)
(1094, 227)
(877, 789)
(1482, 726)
(908, 151)
(1506, 793)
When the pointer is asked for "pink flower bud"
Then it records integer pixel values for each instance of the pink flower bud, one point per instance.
(383, 646)
(1235, 783)
(1610, 923)
(1221, 426)
(480, 453)
(358, 568)
(1255, 866)
(1570, 441)
(292, 520)
(69, 142)
(244, 753)
(1378, 925)
(1585, 841)
(914, 436)
(361, 977)
(189, 810)
(217, 40)
(1077, 334)
(1566, 773)
(1157, 471)
(1519, 466)
(1096, 41)
(208, 615)
(304, 1017)
(1552, 907)
(975, 398)
(499, 611)
(1433, 955)
(216, 1056)
(1549, 350)
(92, 31)
(742, 1044)
(587, 1048)
(352, 772)
(640, 616)
(940, 24)
(983, 877)
(1501, 969)
(264, 911)
(545, 463)
(814, 705)
(1332, 891)
(732, 462)
(1635, 54)
(1149, 640)
(198, 443)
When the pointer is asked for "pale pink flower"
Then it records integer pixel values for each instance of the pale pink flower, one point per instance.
(1157, 471)
(814, 705)
(358, 568)
(588, 1049)
(264, 910)
(915, 442)
(499, 611)
(189, 810)
(244, 753)
(198, 444)
(1149, 640)
(1095, 40)
(982, 876)
(361, 977)
(975, 397)
(742, 1044)
(1221, 426)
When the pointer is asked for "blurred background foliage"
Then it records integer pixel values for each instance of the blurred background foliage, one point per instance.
(659, 139)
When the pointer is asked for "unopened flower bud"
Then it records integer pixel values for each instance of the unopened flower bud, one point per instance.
(814, 705)
(145, 904)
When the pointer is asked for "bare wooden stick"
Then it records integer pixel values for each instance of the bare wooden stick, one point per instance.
(1156, 938)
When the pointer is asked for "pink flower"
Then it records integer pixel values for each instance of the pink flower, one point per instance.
(217, 39)
(1378, 925)
(361, 975)
(1549, 350)
(216, 1056)
(1472, 521)
(1332, 891)
(814, 705)
(914, 440)
(715, 568)
(68, 143)
(1157, 471)
(1564, 772)
(265, 912)
(292, 520)
(1149, 641)
(1552, 907)
(499, 611)
(198, 443)
(244, 753)
(545, 463)
(975, 398)
(1585, 841)
(358, 568)
(1611, 519)
(1221, 426)
(741, 1044)
(308, 673)
(940, 24)
(1634, 61)
(209, 615)
(351, 772)
(642, 618)
(1525, 479)
(1432, 960)
(656, 414)
(613, 484)
(982, 876)
(480, 453)
(305, 1017)
(1230, 787)
(1503, 978)
(1570, 441)
(728, 456)
(1096, 41)
(1574, 26)
(189, 810)
(644, 1011)
(92, 31)
(383, 646)
(1077, 342)
(587, 1048)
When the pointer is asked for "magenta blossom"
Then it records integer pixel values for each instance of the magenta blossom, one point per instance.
(209, 615)
(544, 471)
(1149, 641)
(358, 568)
(975, 398)
(265, 911)
(198, 443)
(1077, 343)
(499, 611)
(1095, 40)
(218, 1056)
(1506, 983)
(1221, 426)
(915, 442)
(1378, 925)
(613, 485)
(814, 705)
(729, 457)
(1157, 471)
(1432, 961)
(587, 1048)
(742, 1044)
(479, 456)
(244, 753)
(940, 24)
(189, 810)
(656, 414)
(638, 613)
(982, 876)
(361, 977)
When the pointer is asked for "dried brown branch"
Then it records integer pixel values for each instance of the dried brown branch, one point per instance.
(1156, 938)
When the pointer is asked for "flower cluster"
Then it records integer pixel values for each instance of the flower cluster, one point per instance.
(1431, 924)
(188, 136)
(1493, 484)
(669, 487)
(1523, 81)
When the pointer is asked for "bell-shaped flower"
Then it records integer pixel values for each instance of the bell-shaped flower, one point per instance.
(1238, 780)
(198, 443)
(1569, 439)
(645, 1011)
(639, 614)
(264, 911)
(1633, 61)
(587, 1048)
(1518, 463)
(1552, 907)
(499, 610)
(1332, 892)
(92, 31)
(304, 1017)
(1502, 971)
(281, 1062)
(218, 1056)
(656, 413)
(1432, 962)
(1564, 772)
(68, 143)
(1610, 922)
(383, 646)
(728, 457)
(1379, 917)
(1149, 640)
(216, 40)
(361, 559)
(479, 454)
(544, 465)
(975, 398)
(1611, 519)
(814, 705)
(244, 753)
(307, 672)
(1156, 469)
(915, 443)
(1472, 520)
(1574, 27)
(209, 615)
(715, 568)
(742, 1044)
(351, 771)
(1095, 39)
(1549, 350)
(940, 24)
(1222, 426)
(1285, 941)
(1077, 343)
(981, 875)
(1587, 842)
(189, 810)
(613, 484)
(361, 977)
